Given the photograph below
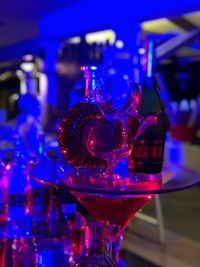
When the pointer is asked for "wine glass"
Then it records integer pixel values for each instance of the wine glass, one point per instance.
(110, 136)
(108, 139)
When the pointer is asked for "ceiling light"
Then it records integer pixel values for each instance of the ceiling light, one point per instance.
(101, 37)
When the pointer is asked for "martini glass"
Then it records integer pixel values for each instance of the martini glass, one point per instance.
(115, 201)
(114, 210)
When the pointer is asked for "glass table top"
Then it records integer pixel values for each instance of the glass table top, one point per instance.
(57, 173)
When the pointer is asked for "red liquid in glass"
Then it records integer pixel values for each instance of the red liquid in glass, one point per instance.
(114, 210)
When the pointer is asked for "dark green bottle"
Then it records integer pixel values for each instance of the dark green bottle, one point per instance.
(148, 150)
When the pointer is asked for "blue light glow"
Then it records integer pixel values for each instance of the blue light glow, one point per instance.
(93, 67)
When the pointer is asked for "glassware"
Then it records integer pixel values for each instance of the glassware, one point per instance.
(96, 248)
(114, 210)
(72, 126)
(109, 135)
(108, 140)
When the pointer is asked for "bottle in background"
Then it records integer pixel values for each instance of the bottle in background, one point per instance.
(16, 173)
(148, 149)
(39, 194)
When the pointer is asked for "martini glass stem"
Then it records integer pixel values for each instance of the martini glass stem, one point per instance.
(115, 247)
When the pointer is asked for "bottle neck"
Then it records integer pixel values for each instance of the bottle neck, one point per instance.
(91, 82)
(149, 57)
(149, 83)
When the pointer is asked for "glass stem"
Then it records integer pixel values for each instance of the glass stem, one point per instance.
(114, 235)
(116, 247)
(109, 170)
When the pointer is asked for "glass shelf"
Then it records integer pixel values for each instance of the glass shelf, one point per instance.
(57, 173)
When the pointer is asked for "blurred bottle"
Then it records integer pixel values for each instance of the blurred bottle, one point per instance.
(39, 194)
(96, 248)
(148, 150)
(16, 173)
(184, 106)
(71, 232)
(74, 121)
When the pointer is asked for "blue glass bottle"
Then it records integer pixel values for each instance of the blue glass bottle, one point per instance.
(40, 195)
(72, 127)
(16, 173)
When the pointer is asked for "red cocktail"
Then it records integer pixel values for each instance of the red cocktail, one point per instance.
(114, 211)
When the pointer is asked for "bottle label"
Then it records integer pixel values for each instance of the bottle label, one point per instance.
(151, 150)
(147, 156)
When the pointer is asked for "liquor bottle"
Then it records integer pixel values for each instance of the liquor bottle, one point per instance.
(148, 149)
(73, 125)
(71, 232)
(39, 194)
(96, 248)
(16, 173)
